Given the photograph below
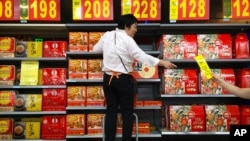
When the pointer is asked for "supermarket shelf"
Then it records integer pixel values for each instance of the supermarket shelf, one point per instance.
(99, 55)
(197, 95)
(31, 87)
(165, 132)
(33, 113)
(103, 108)
(153, 134)
(35, 59)
(39, 30)
(204, 27)
(101, 80)
(213, 63)
(204, 136)
(32, 140)
(201, 99)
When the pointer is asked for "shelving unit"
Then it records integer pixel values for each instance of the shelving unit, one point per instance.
(150, 30)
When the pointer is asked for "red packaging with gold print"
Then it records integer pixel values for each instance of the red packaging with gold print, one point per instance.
(7, 47)
(186, 118)
(6, 128)
(53, 127)
(215, 46)
(54, 48)
(53, 76)
(7, 74)
(54, 99)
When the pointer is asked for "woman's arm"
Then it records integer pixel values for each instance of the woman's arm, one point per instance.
(239, 92)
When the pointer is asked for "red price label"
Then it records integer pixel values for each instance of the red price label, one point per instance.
(142, 9)
(9, 10)
(240, 9)
(40, 10)
(92, 9)
(189, 9)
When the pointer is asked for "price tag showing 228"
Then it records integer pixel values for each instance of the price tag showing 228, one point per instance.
(142, 9)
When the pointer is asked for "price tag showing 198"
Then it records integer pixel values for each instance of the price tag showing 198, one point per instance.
(42, 10)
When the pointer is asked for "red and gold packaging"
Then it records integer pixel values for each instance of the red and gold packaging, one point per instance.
(95, 69)
(152, 103)
(78, 41)
(75, 124)
(54, 99)
(7, 101)
(94, 37)
(6, 128)
(186, 118)
(77, 68)
(95, 96)
(76, 95)
(220, 117)
(54, 48)
(215, 46)
(7, 47)
(94, 124)
(210, 86)
(180, 81)
(143, 128)
(53, 127)
(177, 46)
(54, 76)
(7, 74)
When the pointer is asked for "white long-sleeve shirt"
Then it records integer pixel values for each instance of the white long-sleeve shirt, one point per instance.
(125, 47)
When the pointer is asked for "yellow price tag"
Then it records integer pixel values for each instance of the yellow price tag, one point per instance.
(173, 10)
(77, 12)
(201, 61)
(126, 7)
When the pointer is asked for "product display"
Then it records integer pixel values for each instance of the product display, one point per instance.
(51, 81)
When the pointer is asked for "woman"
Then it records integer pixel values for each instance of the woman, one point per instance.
(119, 51)
(239, 92)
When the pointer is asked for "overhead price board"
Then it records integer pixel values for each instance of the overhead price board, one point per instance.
(189, 10)
(92, 10)
(40, 10)
(143, 10)
(236, 9)
(9, 10)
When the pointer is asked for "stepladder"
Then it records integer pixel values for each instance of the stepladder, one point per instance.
(136, 127)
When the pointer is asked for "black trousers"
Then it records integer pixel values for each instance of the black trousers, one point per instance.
(118, 93)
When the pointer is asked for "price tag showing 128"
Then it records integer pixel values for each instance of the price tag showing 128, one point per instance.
(189, 10)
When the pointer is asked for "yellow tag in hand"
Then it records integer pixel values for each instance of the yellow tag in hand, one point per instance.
(201, 61)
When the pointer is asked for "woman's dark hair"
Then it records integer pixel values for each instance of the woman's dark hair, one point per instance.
(126, 21)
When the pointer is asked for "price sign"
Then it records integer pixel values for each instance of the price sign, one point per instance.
(201, 61)
(149, 10)
(236, 9)
(9, 10)
(189, 10)
(92, 9)
(40, 10)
